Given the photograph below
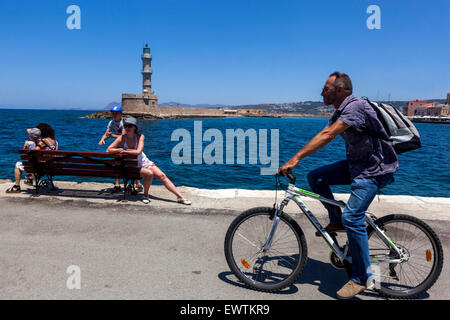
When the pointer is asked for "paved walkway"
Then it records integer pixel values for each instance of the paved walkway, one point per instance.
(205, 201)
(163, 250)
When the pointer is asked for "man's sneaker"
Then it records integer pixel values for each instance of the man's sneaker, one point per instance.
(350, 289)
(332, 227)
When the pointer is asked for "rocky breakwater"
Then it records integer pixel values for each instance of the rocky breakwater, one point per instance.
(141, 116)
(164, 113)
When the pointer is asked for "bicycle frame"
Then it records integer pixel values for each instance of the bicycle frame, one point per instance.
(294, 193)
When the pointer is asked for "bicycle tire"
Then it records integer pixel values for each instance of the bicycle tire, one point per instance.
(438, 253)
(228, 249)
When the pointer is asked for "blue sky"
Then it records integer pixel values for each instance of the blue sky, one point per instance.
(226, 52)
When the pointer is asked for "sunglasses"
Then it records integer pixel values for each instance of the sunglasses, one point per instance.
(326, 89)
(129, 125)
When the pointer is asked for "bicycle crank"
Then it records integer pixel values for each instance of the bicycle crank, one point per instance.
(335, 261)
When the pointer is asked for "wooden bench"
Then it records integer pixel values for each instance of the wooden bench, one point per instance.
(45, 164)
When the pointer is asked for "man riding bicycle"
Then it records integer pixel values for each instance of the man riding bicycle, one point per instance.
(370, 166)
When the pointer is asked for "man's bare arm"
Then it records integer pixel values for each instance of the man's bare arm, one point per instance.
(318, 142)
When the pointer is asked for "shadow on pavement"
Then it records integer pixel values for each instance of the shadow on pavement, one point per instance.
(230, 278)
(324, 276)
(327, 279)
(91, 194)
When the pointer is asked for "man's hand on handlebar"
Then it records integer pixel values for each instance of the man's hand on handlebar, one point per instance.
(288, 167)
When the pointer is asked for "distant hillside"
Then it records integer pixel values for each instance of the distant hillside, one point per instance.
(204, 105)
(306, 107)
(111, 104)
(312, 107)
(301, 107)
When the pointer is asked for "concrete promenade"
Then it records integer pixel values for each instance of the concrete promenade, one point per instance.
(163, 250)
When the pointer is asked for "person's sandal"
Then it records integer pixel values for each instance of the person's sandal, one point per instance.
(183, 201)
(115, 189)
(145, 200)
(14, 189)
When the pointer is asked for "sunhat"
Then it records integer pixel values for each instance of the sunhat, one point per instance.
(34, 132)
(133, 122)
(117, 109)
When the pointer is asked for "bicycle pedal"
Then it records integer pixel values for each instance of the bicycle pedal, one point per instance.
(332, 234)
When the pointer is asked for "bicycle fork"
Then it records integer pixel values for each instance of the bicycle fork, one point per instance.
(276, 219)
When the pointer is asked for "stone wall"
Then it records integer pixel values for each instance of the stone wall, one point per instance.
(184, 111)
(138, 102)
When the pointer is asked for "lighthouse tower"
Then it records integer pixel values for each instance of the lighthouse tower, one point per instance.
(147, 101)
(146, 71)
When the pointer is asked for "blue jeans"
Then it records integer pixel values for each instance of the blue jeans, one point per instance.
(363, 190)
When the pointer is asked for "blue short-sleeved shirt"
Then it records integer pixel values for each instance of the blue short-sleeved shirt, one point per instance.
(367, 156)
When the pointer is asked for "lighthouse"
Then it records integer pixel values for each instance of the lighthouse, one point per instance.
(147, 101)
(146, 71)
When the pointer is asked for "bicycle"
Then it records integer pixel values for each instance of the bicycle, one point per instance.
(266, 248)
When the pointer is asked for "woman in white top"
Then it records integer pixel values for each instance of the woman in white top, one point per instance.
(47, 142)
(133, 143)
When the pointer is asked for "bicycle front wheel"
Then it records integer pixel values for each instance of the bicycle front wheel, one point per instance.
(270, 270)
(421, 253)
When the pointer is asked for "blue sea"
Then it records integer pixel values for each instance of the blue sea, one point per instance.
(423, 172)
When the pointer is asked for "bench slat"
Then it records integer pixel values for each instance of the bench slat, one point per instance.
(128, 162)
(88, 173)
(84, 153)
(77, 165)
(68, 166)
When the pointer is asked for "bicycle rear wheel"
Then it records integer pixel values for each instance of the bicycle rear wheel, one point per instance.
(421, 249)
(274, 269)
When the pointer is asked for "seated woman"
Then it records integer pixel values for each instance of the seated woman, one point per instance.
(47, 141)
(133, 143)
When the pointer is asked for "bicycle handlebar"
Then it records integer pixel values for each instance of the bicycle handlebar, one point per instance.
(289, 176)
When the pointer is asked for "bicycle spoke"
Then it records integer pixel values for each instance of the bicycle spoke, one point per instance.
(278, 262)
(254, 245)
(414, 244)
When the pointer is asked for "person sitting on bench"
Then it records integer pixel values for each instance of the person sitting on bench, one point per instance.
(34, 135)
(133, 143)
(48, 141)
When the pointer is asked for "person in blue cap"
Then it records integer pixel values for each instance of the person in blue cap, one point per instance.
(114, 130)
(115, 126)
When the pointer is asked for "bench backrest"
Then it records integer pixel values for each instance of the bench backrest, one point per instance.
(80, 163)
